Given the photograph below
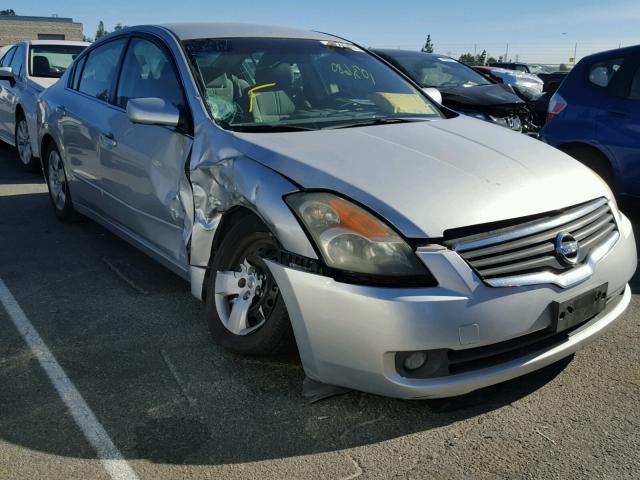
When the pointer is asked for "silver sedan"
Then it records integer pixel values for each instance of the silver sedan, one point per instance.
(26, 69)
(314, 197)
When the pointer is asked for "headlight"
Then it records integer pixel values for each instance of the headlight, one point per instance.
(351, 239)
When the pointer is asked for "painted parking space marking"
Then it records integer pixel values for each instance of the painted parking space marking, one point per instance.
(110, 457)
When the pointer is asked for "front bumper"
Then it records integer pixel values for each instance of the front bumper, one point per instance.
(348, 335)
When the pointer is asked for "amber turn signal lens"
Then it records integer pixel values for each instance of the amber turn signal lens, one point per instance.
(356, 220)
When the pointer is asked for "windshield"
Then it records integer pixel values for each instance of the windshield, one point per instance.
(262, 82)
(438, 72)
(52, 60)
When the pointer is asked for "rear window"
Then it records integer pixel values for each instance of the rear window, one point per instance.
(601, 74)
(52, 61)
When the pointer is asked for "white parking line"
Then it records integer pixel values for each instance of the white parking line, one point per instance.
(111, 458)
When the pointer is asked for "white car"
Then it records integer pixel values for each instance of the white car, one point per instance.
(515, 78)
(26, 69)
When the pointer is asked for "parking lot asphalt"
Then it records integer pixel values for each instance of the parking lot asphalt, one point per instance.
(133, 341)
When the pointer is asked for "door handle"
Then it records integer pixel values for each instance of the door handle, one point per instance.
(614, 113)
(108, 140)
(62, 111)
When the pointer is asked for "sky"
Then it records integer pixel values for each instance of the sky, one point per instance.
(537, 31)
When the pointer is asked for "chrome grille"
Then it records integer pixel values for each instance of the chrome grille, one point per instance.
(530, 247)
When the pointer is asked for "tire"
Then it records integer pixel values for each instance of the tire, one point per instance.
(266, 329)
(593, 159)
(23, 145)
(58, 185)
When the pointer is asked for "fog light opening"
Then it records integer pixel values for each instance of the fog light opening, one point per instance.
(415, 361)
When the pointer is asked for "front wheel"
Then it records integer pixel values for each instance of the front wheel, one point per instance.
(245, 310)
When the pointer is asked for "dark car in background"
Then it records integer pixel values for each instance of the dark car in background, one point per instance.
(595, 117)
(463, 89)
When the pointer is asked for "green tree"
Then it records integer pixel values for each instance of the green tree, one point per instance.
(491, 61)
(482, 58)
(101, 32)
(9, 12)
(119, 27)
(428, 46)
(468, 58)
(563, 68)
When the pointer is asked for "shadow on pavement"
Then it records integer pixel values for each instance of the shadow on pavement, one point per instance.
(134, 342)
(12, 172)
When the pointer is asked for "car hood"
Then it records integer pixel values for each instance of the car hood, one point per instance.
(480, 95)
(427, 177)
(42, 83)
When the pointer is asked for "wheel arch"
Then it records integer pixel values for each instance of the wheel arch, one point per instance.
(588, 147)
(19, 111)
(595, 158)
(46, 141)
(229, 218)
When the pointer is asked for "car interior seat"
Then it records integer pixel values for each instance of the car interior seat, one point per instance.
(41, 66)
(272, 103)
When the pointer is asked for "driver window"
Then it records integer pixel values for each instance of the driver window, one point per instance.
(18, 61)
(147, 72)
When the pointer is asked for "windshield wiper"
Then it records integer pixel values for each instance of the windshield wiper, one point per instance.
(269, 128)
(376, 121)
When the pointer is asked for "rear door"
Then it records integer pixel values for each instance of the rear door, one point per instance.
(5, 85)
(144, 168)
(620, 133)
(9, 92)
(85, 118)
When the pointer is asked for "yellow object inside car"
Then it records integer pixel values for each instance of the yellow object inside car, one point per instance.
(401, 103)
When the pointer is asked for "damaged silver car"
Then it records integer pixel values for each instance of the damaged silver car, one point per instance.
(315, 197)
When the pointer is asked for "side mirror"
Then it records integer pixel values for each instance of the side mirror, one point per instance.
(6, 73)
(434, 94)
(152, 111)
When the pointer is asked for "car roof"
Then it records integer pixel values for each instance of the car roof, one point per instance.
(632, 50)
(397, 52)
(55, 42)
(196, 30)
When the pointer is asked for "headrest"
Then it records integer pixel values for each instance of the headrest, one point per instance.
(41, 66)
(281, 74)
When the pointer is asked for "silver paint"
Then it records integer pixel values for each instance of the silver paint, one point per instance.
(167, 193)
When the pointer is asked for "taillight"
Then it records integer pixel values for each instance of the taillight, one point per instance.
(556, 105)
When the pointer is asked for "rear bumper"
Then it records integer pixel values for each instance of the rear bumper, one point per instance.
(348, 335)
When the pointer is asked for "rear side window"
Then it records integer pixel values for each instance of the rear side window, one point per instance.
(6, 60)
(601, 74)
(100, 69)
(635, 86)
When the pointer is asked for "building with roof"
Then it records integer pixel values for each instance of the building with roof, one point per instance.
(16, 28)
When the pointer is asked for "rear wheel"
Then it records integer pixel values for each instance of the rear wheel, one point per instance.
(23, 145)
(593, 159)
(58, 185)
(245, 310)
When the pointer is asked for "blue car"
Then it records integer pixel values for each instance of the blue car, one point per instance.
(595, 117)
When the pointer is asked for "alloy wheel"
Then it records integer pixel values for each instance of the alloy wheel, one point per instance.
(23, 142)
(57, 180)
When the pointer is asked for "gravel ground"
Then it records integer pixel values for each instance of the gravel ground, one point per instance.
(133, 341)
